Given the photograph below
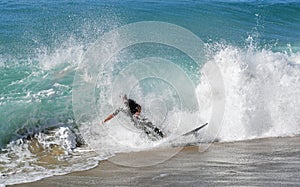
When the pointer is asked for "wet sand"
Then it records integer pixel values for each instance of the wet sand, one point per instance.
(261, 162)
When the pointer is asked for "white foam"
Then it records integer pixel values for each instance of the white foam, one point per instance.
(67, 139)
(262, 93)
(26, 166)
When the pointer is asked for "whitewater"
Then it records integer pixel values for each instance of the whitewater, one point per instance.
(254, 45)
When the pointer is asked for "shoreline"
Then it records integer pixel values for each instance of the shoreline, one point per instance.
(253, 163)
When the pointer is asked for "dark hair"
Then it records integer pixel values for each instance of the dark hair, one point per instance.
(134, 107)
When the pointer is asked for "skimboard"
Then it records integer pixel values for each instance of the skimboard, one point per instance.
(191, 132)
(156, 134)
(194, 130)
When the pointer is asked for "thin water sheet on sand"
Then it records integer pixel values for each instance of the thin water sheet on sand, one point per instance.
(261, 162)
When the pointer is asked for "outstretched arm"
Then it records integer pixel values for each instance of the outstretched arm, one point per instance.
(108, 118)
(111, 115)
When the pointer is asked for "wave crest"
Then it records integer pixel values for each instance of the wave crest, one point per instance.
(262, 93)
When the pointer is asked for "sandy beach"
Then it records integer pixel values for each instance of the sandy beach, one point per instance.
(65, 67)
(262, 162)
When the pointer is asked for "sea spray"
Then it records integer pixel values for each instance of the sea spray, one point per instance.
(262, 93)
(41, 45)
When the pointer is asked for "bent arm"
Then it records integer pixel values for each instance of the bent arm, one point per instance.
(139, 111)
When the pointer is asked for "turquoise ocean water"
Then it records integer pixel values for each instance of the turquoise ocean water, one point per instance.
(255, 43)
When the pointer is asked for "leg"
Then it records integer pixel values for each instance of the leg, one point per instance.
(148, 127)
(155, 129)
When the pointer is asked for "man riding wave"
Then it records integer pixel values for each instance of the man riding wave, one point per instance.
(133, 110)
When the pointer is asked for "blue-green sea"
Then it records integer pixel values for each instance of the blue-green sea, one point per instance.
(256, 45)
